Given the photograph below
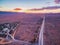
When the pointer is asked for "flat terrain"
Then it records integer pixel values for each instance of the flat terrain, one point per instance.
(28, 29)
(52, 30)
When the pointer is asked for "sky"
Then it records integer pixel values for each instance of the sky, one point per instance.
(27, 4)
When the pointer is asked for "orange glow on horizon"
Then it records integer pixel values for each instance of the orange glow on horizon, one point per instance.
(31, 11)
(44, 11)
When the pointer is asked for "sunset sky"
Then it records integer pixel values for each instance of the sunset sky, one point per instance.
(27, 4)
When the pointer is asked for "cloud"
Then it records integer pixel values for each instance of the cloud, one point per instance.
(51, 7)
(17, 9)
(57, 1)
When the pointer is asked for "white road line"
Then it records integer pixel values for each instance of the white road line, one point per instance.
(41, 32)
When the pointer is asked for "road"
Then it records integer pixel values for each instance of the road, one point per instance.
(41, 32)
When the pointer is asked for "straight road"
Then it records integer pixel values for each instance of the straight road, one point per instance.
(41, 32)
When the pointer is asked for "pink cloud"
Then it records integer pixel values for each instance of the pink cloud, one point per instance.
(57, 1)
